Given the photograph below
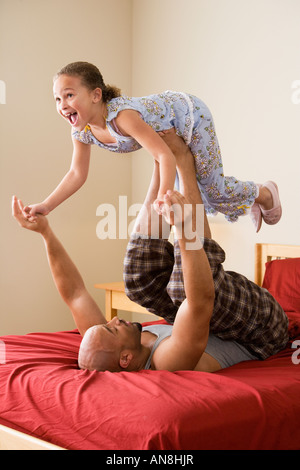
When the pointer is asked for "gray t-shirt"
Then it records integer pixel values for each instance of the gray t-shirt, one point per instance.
(227, 353)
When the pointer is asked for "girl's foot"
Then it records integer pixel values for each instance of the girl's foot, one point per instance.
(267, 205)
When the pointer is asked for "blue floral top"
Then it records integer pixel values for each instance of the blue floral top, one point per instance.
(193, 122)
(161, 112)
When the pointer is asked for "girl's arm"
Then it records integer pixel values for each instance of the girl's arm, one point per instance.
(72, 181)
(130, 123)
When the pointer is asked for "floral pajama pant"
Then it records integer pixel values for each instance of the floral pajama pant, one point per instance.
(220, 193)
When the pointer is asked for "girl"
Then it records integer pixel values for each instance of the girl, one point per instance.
(100, 115)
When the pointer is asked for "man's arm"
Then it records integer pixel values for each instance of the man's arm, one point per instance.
(148, 221)
(191, 327)
(66, 276)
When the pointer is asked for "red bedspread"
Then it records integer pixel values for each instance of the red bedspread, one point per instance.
(253, 405)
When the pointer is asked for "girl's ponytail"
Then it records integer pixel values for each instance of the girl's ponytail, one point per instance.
(109, 92)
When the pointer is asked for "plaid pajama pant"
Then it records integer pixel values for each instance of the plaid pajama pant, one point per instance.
(243, 312)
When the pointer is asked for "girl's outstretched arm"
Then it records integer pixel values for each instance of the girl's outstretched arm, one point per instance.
(71, 182)
(130, 123)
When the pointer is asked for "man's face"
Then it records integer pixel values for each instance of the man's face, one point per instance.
(122, 333)
(102, 344)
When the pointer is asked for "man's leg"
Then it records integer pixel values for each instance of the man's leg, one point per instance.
(243, 312)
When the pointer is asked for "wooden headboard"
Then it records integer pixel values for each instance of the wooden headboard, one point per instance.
(267, 252)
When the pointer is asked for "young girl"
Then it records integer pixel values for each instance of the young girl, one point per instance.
(100, 115)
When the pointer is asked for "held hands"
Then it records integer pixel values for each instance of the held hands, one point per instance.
(33, 210)
(159, 203)
(185, 218)
(175, 208)
(37, 223)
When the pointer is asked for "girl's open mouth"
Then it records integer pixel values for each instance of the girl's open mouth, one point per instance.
(72, 117)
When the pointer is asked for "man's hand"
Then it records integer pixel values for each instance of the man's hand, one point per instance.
(175, 143)
(38, 223)
(187, 219)
(176, 209)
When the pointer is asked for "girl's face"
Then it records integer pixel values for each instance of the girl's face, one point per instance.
(74, 101)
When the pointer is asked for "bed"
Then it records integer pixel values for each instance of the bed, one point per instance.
(46, 402)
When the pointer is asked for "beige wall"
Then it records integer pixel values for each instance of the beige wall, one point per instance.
(37, 38)
(240, 57)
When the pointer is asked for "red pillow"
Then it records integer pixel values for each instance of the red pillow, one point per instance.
(282, 279)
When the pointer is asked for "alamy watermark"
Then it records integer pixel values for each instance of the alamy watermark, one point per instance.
(296, 354)
(2, 352)
(2, 92)
(115, 224)
(295, 97)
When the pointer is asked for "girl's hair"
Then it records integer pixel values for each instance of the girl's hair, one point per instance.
(91, 77)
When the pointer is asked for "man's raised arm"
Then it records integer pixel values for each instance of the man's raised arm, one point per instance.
(191, 327)
(66, 276)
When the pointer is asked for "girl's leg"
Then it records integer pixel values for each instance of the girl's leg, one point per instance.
(220, 193)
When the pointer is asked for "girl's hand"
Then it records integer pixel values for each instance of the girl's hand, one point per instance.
(158, 204)
(37, 223)
(31, 211)
(177, 211)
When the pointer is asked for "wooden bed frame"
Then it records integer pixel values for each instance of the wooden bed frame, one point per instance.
(265, 252)
(10, 439)
(117, 299)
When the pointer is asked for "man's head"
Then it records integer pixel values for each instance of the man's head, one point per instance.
(113, 346)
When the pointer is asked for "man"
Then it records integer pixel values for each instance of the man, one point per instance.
(118, 345)
(246, 322)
